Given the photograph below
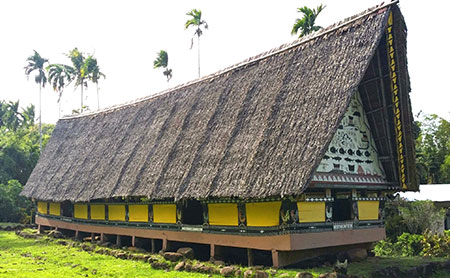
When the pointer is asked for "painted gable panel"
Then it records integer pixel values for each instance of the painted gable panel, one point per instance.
(352, 149)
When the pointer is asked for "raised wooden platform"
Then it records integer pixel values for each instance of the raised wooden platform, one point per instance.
(286, 249)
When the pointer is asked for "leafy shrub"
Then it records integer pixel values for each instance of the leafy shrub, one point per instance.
(436, 245)
(385, 248)
(415, 217)
(422, 216)
(427, 244)
(409, 244)
(395, 224)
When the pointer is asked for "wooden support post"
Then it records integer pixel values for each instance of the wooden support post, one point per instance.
(212, 251)
(153, 245)
(102, 237)
(164, 245)
(39, 229)
(250, 257)
(217, 252)
(77, 234)
(119, 241)
(133, 241)
(275, 259)
(92, 237)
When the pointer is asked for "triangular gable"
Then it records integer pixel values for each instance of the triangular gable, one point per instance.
(352, 149)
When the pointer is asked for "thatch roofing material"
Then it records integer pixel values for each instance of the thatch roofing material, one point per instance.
(256, 130)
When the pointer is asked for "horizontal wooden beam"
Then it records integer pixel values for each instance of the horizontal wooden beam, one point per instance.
(287, 242)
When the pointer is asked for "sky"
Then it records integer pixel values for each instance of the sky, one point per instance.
(125, 36)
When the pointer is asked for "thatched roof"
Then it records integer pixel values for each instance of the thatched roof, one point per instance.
(257, 129)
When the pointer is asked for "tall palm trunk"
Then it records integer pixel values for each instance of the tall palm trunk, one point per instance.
(59, 109)
(40, 120)
(198, 44)
(98, 98)
(81, 107)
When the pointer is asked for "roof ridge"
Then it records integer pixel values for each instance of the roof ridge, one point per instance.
(274, 51)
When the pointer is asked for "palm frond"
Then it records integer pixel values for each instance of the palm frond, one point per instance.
(36, 63)
(306, 23)
(162, 59)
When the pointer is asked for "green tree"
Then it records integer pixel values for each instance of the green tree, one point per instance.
(445, 169)
(13, 207)
(94, 74)
(306, 24)
(433, 149)
(413, 217)
(162, 61)
(59, 76)
(196, 22)
(36, 64)
(19, 146)
(11, 119)
(19, 152)
(83, 69)
(79, 71)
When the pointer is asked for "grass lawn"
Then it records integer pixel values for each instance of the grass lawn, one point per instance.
(29, 258)
(372, 264)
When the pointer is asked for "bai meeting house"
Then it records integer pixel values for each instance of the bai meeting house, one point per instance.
(289, 153)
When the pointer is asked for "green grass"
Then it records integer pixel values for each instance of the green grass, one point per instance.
(375, 263)
(31, 258)
(41, 258)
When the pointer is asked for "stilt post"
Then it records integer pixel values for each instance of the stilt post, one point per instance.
(275, 259)
(250, 256)
(153, 245)
(164, 245)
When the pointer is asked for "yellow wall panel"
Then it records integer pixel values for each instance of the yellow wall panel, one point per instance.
(55, 209)
(42, 207)
(98, 212)
(223, 214)
(138, 213)
(368, 210)
(116, 212)
(263, 214)
(165, 213)
(311, 212)
(80, 211)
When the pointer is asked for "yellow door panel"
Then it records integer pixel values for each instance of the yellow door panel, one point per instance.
(311, 212)
(263, 214)
(223, 214)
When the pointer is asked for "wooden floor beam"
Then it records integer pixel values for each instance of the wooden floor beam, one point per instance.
(286, 242)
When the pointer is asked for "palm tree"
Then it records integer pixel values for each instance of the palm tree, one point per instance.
(306, 23)
(59, 76)
(94, 74)
(12, 118)
(162, 61)
(28, 116)
(197, 22)
(36, 63)
(79, 71)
